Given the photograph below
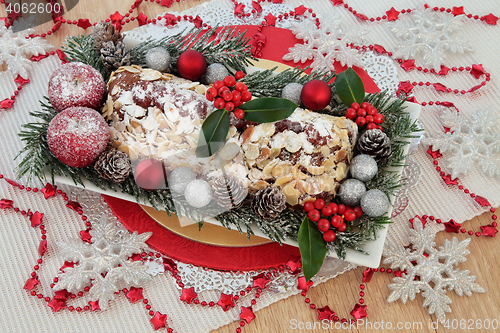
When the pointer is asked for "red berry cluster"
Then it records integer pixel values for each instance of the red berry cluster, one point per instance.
(366, 114)
(230, 94)
(319, 211)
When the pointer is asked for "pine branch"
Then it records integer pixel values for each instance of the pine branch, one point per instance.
(81, 48)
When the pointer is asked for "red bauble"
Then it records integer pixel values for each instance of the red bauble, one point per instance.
(77, 136)
(150, 175)
(191, 65)
(316, 95)
(76, 84)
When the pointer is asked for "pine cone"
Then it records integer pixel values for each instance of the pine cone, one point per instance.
(229, 191)
(375, 143)
(113, 165)
(114, 55)
(268, 203)
(105, 32)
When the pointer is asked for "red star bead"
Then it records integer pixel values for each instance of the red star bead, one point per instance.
(337, 2)
(489, 230)
(379, 48)
(169, 265)
(166, 3)
(225, 301)
(136, 257)
(84, 24)
(477, 70)
(303, 285)
(86, 236)
(21, 81)
(439, 87)
(159, 320)
(56, 305)
(270, 19)
(6, 203)
(134, 294)
(458, 11)
(452, 226)
(36, 219)
(188, 295)
(238, 9)
(142, 19)
(367, 275)
(62, 56)
(11, 182)
(294, 265)
(198, 22)
(490, 19)
(170, 19)
(475, 88)
(300, 10)
(137, 3)
(408, 65)
(247, 314)
(13, 15)
(398, 273)
(447, 179)
(66, 265)
(392, 14)
(94, 306)
(116, 17)
(325, 313)
(62, 295)
(443, 70)
(257, 7)
(434, 154)
(6, 103)
(483, 202)
(42, 248)
(412, 99)
(448, 104)
(31, 283)
(359, 311)
(73, 205)
(260, 281)
(48, 191)
(406, 87)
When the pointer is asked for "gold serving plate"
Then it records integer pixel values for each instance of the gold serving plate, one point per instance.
(209, 234)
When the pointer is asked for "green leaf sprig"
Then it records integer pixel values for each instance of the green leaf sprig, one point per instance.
(349, 87)
(312, 248)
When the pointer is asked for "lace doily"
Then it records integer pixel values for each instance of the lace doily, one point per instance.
(382, 70)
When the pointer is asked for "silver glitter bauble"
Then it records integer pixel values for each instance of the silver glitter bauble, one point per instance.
(374, 203)
(215, 72)
(198, 193)
(363, 167)
(180, 178)
(292, 92)
(350, 191)
(158, 59)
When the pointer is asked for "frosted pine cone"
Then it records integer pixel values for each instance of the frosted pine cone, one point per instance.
(105, 32)
(229, 191)
(269, 202)
(114, 55)
(113, 165)
(375, 143)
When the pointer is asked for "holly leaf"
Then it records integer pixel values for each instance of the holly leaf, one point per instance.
(213, 133)
(312, 248)
(349, 87)
(268, 109)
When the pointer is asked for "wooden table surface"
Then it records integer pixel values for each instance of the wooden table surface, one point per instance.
(341, 293)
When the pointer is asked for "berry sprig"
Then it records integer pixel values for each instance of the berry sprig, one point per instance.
(319, 211)
(365, 114)
(229, 94)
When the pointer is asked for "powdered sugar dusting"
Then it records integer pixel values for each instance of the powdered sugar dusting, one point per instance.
(76, 84)
(77, 136)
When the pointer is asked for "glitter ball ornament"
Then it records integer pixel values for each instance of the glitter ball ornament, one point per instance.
(316, 95)
(158, 59)
(215, 72)
(292, 92)
(351, 191)
(191, 65)
(149, 174)
(198, 193)
(363, 167)
(374, 203)
(180, 178)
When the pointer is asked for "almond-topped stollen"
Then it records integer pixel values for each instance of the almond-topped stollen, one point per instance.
(155, 115)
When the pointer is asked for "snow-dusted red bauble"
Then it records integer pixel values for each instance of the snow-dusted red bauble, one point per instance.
(76, 84)
(316, 95)
(77, 136)
(191, 65)
(150, 174)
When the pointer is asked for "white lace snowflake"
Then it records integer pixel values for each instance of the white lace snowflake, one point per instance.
(430, 270)
(429, 34)
(105, 263)
(469, 140)
(16, 49)
(326, 43)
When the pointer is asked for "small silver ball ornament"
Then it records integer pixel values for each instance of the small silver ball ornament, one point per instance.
(292, 92)
(350, 191)
(215, 72)
(158, 58)
(374, 203)
(363, 167)
(198, 193)
(180, 178)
